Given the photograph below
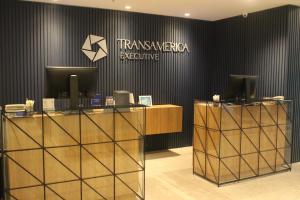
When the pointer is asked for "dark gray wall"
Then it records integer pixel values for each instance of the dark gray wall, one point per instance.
(34, 35)
(254, 45)
(265, 44)
(293, 75)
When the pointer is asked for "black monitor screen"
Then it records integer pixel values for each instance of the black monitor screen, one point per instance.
(57, 84)
(250, 84)
(241, 87)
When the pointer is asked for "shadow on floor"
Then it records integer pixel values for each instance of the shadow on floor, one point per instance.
(160, 154)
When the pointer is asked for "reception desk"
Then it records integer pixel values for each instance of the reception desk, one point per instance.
(86, 154)
(162, 119)
(233, 142)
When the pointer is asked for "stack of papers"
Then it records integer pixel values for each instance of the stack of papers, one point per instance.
(13, 108)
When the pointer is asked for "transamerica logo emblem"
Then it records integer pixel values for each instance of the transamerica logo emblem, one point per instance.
(88, 51)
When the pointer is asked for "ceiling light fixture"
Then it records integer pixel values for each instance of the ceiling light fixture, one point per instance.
(127, 7)
(187, 14)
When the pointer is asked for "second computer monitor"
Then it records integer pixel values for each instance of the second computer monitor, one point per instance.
(241, 88)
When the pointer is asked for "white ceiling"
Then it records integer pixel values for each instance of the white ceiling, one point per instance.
(199, 9)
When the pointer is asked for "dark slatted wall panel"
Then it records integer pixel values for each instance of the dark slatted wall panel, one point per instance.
(34, 35)
(266, 43)
(255, 45)
(258, 45)
(293, 84)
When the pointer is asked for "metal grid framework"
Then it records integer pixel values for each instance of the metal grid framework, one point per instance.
(237, 142)
(109, 185)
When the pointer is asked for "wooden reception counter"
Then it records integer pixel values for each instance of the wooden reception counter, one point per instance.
(233, 142)
(95, 154)
(163, 119)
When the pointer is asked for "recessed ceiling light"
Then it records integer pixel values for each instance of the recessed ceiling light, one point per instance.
(127, 7)
(55, 0)
(187, 14)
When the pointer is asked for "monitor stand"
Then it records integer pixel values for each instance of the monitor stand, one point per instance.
(74, 92)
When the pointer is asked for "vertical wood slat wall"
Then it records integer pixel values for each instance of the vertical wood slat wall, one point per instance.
(293, 74)
(266, 44)
(34, 35)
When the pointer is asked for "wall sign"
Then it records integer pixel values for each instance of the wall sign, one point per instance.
(87, 47)
(148, 50)
(132, 49)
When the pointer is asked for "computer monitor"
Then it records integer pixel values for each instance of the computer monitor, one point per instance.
(121, 97)
(241, 88)
(250, 84)
(70, 82)
(235, 88)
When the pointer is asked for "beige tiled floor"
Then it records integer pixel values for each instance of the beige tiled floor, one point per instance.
(169, 177)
